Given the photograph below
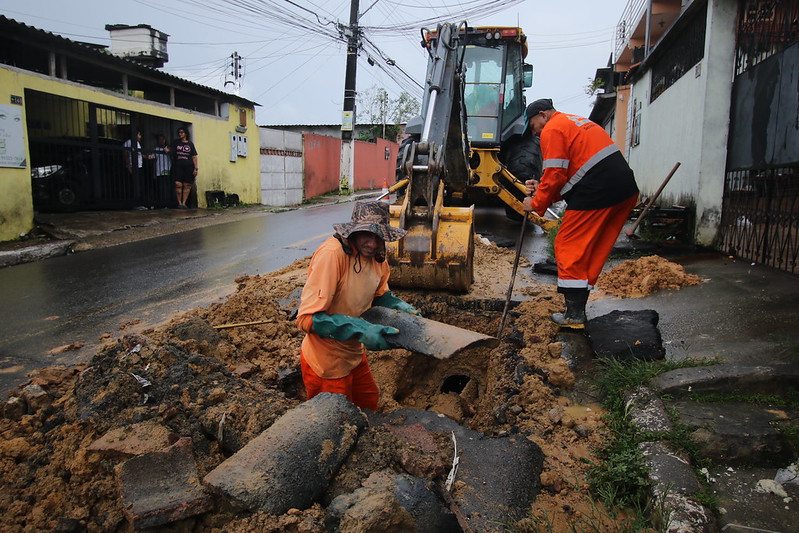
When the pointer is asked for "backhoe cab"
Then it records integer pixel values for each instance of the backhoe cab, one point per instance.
(472, 120)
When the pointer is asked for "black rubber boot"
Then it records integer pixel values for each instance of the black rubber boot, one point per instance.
(574, 317)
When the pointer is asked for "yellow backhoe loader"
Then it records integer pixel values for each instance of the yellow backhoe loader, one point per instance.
(460, 151)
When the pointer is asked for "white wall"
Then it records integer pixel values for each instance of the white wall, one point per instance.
(281, 174)
(689, 123)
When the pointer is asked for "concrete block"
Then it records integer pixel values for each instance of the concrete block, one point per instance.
(291, 463)
(765, 379)
(273, 180)
(293, 196)
(294, 180)
(273, 197)
(293, 165)
(673, 484)
(272, 138)
(293, 141)
(273, 163)
(162, 487)
(647, 412)
(135, 439)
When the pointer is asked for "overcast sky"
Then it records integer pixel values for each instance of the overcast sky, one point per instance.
(293, 62)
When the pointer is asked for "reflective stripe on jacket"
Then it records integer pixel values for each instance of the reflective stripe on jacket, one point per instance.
(582, 165)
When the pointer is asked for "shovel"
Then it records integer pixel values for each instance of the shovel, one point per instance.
(425, 336)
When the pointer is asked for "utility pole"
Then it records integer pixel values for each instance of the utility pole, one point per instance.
(347, 181)
(235, 72)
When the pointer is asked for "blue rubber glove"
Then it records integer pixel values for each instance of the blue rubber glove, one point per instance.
(388, 299)
(343, 328)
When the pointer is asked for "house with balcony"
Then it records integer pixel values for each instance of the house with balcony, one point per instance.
(712, 85)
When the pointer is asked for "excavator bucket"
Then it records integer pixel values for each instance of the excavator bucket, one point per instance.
(437, 255)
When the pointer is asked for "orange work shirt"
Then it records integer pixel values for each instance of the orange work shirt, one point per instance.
(337, 283)
(582, 165)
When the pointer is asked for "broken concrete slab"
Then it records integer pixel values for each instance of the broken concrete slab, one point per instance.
(291, 463)
(737, 433)
(761, 379)
(673, 486)
(626, 335)
(135, 439)
(670, 469)
(497, 478)
(162, 487)
(374, 507)
(647, 412)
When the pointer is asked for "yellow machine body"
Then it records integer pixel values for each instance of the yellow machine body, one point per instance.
(439, 257)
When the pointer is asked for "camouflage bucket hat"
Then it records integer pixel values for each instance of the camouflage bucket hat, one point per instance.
(371, 216)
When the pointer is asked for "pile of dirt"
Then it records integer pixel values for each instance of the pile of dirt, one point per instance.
(641, 277)
(192, 379)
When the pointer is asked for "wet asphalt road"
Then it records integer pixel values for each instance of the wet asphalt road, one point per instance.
(79, 297)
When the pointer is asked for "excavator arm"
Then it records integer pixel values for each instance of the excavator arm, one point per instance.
(438, 250)
(442, 167)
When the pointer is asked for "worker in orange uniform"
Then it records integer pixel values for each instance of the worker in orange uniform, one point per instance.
(347, 275)
(584, 167)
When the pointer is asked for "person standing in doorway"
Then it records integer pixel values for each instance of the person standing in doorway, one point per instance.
(163, 168)
(134, 161)
(184, 167)
(584, 167)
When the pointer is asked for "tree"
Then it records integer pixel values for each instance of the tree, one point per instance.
(384, 113)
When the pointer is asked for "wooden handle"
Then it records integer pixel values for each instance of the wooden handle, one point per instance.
(255, 323)
(652, 200)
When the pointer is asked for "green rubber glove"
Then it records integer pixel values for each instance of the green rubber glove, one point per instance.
(343, 328)
(388, 299)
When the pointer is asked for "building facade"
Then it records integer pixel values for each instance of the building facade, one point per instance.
(711, 84)
(71, 114)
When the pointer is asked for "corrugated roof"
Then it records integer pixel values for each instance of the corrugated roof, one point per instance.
(11, 27)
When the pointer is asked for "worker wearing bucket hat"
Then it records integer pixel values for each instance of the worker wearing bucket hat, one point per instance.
(347, 275)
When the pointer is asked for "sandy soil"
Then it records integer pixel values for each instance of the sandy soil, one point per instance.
(53, 479)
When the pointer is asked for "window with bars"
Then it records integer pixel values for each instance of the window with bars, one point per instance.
(686, 50)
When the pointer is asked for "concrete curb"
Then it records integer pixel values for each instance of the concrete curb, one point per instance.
(35, 253)
(672, 478)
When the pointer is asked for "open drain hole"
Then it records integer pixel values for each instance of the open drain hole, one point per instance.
(455, 383)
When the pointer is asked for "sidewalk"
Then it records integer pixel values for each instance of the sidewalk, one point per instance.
(57, 234)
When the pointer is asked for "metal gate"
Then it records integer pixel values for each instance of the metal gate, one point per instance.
(88, 156)
(760, 210)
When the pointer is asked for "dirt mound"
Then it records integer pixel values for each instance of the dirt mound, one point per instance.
(223, 387)
(641, 277)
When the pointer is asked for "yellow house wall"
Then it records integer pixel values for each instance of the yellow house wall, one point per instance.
(210, 134)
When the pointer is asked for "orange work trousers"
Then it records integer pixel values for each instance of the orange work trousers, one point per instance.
(584, 242)
(358, 386)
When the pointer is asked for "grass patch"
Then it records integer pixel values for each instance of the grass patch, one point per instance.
(787, 399)
(621, 478)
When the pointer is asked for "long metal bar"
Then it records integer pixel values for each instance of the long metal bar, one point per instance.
(519, 242)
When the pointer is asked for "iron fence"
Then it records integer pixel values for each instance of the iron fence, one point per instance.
(760, 216)
(765, 27)
(88, 156)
